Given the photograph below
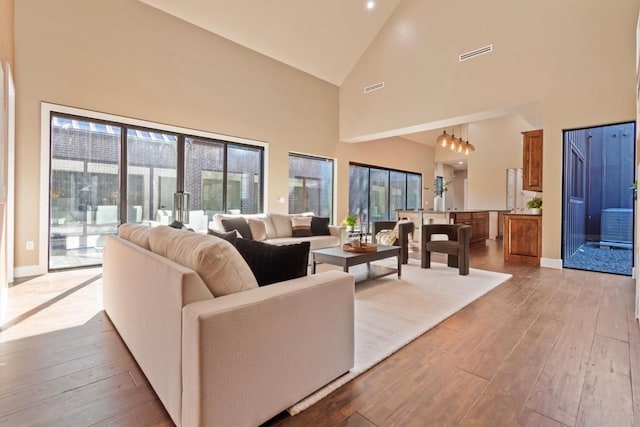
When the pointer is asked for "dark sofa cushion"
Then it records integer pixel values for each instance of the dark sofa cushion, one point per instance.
(230, 236)
(238, 224)
(272, 263)
(320, 226)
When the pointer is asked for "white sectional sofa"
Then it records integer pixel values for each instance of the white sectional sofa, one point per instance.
(228, 360)
(278, 230)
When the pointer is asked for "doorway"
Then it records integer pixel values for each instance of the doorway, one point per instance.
(598, 208)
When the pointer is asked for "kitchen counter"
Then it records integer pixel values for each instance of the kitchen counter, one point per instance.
(481, 220)
(523, 238)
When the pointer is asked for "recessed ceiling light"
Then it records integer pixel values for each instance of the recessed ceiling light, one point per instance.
(461, 163)
(371, 4)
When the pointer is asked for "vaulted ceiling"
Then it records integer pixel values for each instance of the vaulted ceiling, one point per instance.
(324, 38)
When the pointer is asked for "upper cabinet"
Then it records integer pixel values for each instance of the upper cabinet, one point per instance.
(532, 160)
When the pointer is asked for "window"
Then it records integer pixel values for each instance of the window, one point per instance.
(204, 174)
(152, 171)
(376, 193)
(84, 191)
(88, 158)
(244, 179)
(310, 185)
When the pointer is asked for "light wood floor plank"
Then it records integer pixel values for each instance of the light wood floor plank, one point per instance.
(559, 388)
(634, 349)
(504, 399)
(440, 404)
(606, 397)
(612, 321)
(43, 390)
(530, 418)
(68, 403)
(485, 359)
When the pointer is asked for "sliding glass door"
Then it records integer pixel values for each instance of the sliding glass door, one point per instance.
(151, 175)
(375, 194)
(85, 189)
(90, 197)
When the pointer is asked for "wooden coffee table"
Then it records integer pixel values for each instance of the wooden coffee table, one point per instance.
(345, 259)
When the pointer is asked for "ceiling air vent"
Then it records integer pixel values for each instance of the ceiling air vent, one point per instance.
(475, 53)
(374, 87)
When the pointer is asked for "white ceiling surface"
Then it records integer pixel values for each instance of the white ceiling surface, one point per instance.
(324, 38)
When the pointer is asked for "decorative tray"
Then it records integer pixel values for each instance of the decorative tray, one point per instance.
(363, 247)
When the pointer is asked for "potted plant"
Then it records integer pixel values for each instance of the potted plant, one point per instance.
(535, 205)
(439, 188)
(350, 221)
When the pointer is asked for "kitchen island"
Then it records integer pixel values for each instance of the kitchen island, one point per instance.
(523, 238)
(477, 219)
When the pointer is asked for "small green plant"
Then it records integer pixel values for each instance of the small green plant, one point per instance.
(350, 220)
(534, 203)
(438, 190)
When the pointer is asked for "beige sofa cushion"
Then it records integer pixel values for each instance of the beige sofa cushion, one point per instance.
(216, 261)
(270, 229)
(217, 219)
(281, 224)
(135, 233)
(317, 242)
(258, 229)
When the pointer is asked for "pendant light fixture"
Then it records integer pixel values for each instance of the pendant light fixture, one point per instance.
(468, 147)
(443, 139)
(458, 145)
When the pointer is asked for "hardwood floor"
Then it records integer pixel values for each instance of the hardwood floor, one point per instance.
(547, 348)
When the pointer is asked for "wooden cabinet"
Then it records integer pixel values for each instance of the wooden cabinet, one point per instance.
(532, 160)
(501, 215)
(479, 221)
(523, 238)
(480, 224)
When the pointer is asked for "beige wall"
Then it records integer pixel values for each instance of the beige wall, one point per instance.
(498, 145)
(6, 31)
(394, 153)
(458, 187)
(125, 58)
(6, 56)
(575, 58)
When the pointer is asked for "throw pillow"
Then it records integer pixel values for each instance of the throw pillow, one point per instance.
(387, 237)
(269, 227)
(281, 224)
(272, 263)
(238, 224)
(177, 225)
(301, 226)
(258, 229)
(230, 236)
(320, 226)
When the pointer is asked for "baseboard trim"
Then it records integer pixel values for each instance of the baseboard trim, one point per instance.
(28, 271)
(551, 263)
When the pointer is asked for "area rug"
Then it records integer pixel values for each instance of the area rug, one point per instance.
(392, 312)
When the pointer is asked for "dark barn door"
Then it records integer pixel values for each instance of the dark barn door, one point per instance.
(575, 218)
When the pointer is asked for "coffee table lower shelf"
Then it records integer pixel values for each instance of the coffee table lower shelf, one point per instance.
(359, 264)
(365, 272)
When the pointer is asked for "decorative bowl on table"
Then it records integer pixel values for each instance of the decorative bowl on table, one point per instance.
(357, 246)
